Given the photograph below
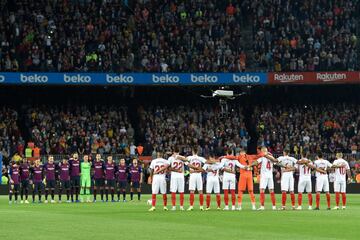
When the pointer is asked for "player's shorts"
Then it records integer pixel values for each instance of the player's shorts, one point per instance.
(122, 184)
(38, 187)
(266, 182)
(110, 183)
(99, 182)
(287, 182)
(212, 184)
(340, 186)
(177, 184)
(50, 184)
(135, 184)
(25, 183)
(304, 185)
(75, 181)
(246, 181)
(229, 182)
(65, 184)
(195, 182)
(85, 181)
(14, 187)
(322, 184)
(158, 185)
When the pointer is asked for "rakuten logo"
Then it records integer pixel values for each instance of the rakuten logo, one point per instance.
(119, 79)
(165, 79)
(78, 78)
(329, 77)
(246, 78)
(2, 78)
(203, 78)
(288, 77)
(34, 78)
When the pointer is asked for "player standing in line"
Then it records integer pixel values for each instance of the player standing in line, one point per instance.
(157, 178)
(37, 179)
(322, 180)
(136, 179)
(304, 166)
(287, 164)
(229, 180)
(24, 177)
(75, 177)
(341, 169)
(64, 168)
(121, 175)
(246, 177)
(49, 169)
(266, 177)
(98, 177)
(195, 181)
(85, 178)
(177, 180)
(110, 178)
(14, 183)
(212, 181)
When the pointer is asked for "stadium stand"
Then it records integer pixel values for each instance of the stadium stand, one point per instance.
(179, 36)
(109, 36)
(305, 35)
(83, 129)
(10, 136)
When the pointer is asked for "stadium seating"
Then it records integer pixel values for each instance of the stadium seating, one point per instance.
(68, 129)
(305, 35)
(10, 136)
(180, 36)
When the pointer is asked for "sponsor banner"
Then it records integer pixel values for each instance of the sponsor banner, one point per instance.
(314, 77)
(32, 78)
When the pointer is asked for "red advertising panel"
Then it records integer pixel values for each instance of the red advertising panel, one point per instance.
(314, 77)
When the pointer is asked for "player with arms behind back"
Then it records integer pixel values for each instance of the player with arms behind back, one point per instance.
(121, 176)
(136, 179)
(49, 170)
(98, 173)
(37, 179)
(157, 176)
(14, 183)
(322, 180)
(341, 169)
(24, 177)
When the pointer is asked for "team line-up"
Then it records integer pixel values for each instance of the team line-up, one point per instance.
(73, 174)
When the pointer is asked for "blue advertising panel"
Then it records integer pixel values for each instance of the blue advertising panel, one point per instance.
(43, 78)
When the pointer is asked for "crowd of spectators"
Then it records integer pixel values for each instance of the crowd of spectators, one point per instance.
(83, 129)
(186, 127)
(305, 35)
(151, 36)
(328, 128)
(10, 136)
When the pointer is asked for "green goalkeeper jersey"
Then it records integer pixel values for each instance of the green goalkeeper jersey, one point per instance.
(85, 169)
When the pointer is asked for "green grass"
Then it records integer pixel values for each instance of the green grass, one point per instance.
(131, 220)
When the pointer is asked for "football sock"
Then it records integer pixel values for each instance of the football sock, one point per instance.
(226, 197)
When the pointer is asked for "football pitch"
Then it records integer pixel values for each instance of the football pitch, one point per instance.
(131, 220)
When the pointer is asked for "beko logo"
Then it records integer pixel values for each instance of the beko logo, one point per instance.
(35, 78)
(165, 79)
(119, 79)
(203, 78)
(246, 78)
(77, 78)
